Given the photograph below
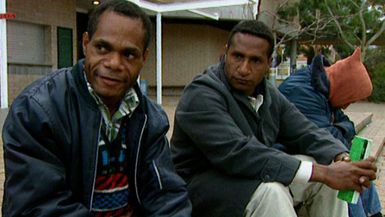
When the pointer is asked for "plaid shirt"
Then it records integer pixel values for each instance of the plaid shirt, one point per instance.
(127, 106)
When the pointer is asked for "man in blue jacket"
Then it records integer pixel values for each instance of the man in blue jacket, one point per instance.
(320, 93)
(84, 141)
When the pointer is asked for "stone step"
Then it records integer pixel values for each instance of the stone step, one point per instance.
(371, 128)
(360, 119)
(375, 130)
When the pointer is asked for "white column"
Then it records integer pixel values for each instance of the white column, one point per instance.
(3, 59)
(159, 58)
(255, 9)
(293, 55)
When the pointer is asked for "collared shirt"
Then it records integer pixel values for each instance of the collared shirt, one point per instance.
(256, 102)
(305, 169)
(127, 106)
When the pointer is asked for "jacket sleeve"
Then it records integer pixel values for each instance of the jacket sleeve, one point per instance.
(342, 128)
(35, 177)
(317, 109)
(311, 139)
(162, 192)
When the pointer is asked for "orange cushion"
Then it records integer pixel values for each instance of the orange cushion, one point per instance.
(349, 81)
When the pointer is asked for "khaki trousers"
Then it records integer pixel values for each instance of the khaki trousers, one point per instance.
(276, 200)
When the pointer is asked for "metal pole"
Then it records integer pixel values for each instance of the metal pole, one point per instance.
(293, 56)
(3, 58)
(255, 9)
(159, 58)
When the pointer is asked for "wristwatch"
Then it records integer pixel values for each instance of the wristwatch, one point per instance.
(344, 156)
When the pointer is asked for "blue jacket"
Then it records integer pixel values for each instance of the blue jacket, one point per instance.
(50, 149)
(308, 89)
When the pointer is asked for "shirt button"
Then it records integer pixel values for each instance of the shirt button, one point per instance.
(267, 177)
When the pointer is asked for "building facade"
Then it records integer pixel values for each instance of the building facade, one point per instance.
(40, 38)
(46, 35)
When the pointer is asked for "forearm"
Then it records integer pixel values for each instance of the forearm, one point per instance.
(310, 139)
(319, 173)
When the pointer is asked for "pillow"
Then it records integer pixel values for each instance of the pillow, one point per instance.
(349, 81)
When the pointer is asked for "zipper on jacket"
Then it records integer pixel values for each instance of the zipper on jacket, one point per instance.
(137, 159)
(96, 164)
(157, 174)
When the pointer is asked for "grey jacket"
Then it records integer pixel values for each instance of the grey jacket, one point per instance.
(223, 148)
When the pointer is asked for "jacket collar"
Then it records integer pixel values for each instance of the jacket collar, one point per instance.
(219, 71)
(319, 78)
(77, 72)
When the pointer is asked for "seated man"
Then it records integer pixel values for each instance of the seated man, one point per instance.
(226, 123)
(84, 141)
(321, 94)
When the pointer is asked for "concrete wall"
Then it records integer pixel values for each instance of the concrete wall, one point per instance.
(187, 51)
(50, 13)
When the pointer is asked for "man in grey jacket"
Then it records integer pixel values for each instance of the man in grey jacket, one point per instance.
(226, 124)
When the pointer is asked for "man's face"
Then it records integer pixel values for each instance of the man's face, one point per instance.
(246, 62)
(114, 56)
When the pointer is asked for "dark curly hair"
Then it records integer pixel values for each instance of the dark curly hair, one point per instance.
(124, 8)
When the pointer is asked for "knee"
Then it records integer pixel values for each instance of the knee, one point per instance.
(265, 198)
(274, 189)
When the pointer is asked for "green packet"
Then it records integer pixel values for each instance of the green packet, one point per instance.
(361, 148)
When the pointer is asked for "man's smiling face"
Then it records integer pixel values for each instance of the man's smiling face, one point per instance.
(114, 56)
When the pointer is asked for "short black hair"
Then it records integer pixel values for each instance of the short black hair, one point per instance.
(124, 8)
(256, 28)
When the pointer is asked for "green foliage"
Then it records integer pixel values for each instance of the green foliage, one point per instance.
(375, 56)
(336, 19)
(343, 50)
(378, 81)
(376, 67)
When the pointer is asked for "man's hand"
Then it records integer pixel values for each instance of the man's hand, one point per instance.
(344, 175)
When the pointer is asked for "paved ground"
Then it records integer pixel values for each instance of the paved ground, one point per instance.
(378, 111)
(377, 132)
